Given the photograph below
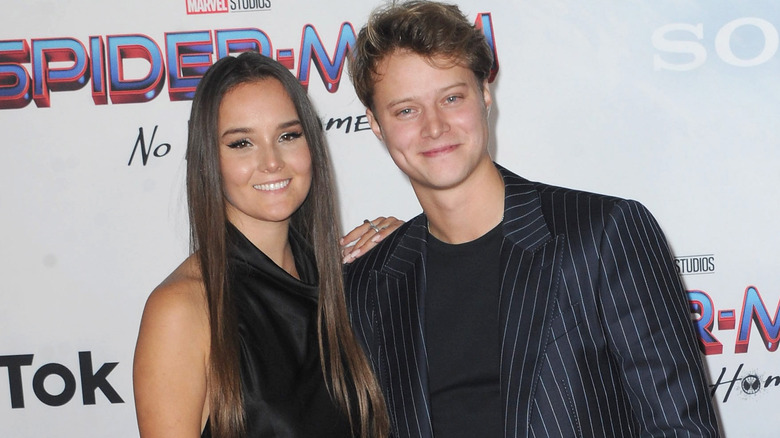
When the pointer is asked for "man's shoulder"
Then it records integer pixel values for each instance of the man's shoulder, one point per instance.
(552, 194)
(566, 207)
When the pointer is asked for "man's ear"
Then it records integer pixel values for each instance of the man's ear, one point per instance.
(486, 96)
(374, 123)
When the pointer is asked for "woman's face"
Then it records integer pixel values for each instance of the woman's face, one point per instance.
(264, 156)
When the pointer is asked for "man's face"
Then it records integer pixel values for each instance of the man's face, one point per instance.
(432, 117)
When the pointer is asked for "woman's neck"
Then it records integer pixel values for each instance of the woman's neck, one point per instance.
(272, 238)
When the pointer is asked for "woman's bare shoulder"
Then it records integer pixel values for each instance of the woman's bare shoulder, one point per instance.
(182, 290)
(171, 356)
(178, 305)
(184, 279)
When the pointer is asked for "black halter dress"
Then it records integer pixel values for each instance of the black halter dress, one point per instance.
(283, 386)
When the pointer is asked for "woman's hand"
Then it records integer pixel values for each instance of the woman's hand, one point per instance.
(366, 236)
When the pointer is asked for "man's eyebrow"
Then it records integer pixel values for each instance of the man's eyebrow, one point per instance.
(395, 102)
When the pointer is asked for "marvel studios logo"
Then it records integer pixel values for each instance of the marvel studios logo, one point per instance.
(695, 264)
(226, 6)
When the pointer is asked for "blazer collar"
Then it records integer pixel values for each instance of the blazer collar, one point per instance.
(529, 256)
(531, 269)
(410, 251)
(524, 225)
(401, 304)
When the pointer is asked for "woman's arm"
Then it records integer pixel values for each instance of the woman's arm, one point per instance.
(171, 360)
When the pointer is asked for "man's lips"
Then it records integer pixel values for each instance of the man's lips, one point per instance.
(439, 150)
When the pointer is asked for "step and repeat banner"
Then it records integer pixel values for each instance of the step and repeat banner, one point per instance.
(673, 103)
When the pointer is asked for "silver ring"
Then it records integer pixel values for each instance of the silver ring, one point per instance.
(373, 227)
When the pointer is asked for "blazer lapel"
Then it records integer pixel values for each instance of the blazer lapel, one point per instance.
(401, 292)
(531, 260)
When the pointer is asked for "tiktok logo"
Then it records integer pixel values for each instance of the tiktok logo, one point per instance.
(91, 381)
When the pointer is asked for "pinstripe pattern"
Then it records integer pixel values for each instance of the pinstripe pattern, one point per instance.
(596, 335)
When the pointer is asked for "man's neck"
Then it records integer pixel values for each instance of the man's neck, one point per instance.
(465, 213)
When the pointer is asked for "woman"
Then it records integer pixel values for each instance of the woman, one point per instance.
(230, 343)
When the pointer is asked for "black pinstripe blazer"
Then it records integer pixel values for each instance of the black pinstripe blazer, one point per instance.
(596, 337)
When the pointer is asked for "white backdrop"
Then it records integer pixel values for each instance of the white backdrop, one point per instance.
(671, 103)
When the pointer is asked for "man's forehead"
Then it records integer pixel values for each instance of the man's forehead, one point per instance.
(407, 56)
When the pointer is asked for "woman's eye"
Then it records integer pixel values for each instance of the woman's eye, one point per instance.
(290, 136)
(451, 99)
(239, 144)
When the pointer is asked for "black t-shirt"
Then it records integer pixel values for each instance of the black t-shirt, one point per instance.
(462, 336)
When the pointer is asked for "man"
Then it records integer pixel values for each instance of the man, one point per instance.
(508, 308)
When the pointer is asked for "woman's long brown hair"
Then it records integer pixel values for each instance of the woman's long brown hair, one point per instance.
(347, 371)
